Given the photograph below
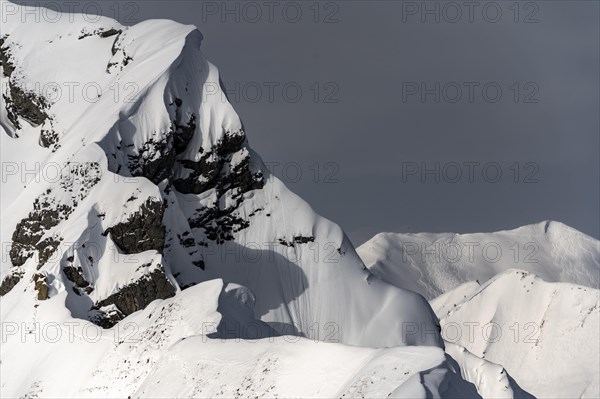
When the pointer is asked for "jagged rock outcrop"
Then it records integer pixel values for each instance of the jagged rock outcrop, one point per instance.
(48, 212)
(225, 166)
(156, 158)
(75, 275)
(41, 286)
(5, 59)
(143, 231)
(25, 104)
(11, 279)
(133, 297)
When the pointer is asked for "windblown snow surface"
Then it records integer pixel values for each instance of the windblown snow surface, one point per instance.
(434, 263)
(497, 315)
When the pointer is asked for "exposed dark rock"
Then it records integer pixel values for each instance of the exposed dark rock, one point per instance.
(136, 296)
(48, 138)
(215, 170)
(7, 66)
(75, 275)
(26, 105)
(297, 240)
(155, 160)
(183, 134)
(186, 240)
(208, 171)
(29, 231)
(230, 143)
(243, 179)
(143, 231)
(41, 286)
(46, 248)
(10, 280)
(116, 47)
(109, 33)
(218, 224)
(100, 32)
(303, 240)
(203, 174)
(106, 318)
(48, 213)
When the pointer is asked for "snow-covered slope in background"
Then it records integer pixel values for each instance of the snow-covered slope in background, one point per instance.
(544, 334)
(495, 319)
(434, 263)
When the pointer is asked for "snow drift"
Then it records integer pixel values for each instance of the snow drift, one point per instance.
(434, 263)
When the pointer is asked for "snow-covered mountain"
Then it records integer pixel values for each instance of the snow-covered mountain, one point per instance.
(434, 263)
(498, 320)
(147, 251)
(147, 185)
(544, 334)
(144, 243)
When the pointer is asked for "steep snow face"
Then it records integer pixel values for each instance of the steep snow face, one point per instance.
(166, 350)
(491, 380)
(544, 334)
(432, 264)
(145, 185)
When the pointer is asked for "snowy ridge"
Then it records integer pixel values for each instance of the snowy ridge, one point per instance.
(434, 263)
(164, 351)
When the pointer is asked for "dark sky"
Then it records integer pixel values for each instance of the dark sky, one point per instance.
(391, 89)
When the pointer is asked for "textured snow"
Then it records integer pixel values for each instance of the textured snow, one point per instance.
(434, 263)
(165, 351)
(544, 334)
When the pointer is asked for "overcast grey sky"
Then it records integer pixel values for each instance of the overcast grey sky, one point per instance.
(517, 94)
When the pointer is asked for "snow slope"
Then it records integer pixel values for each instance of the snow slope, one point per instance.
(490, 379)
(165, 351)
(432, 264)
(544, 334)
